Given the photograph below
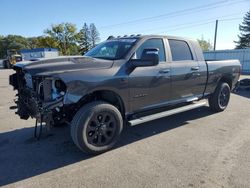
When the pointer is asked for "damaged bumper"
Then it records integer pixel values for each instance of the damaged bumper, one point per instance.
(38, 97)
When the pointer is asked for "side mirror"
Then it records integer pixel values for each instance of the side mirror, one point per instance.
(149, 57)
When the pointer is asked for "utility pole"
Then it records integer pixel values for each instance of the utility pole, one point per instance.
(215, 34)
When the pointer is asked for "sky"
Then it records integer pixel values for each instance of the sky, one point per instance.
(192, 18)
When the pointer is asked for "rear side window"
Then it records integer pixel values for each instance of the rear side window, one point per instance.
(180, 50)
(152, 43)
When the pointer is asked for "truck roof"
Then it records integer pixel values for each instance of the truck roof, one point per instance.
(149, 36)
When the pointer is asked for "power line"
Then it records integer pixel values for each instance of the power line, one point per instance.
(230, 19)
(163, 15)
(189, 23)
(179, 13)
(190, 26)
(195, 25)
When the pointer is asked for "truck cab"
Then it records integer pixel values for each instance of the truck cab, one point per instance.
(180, 73)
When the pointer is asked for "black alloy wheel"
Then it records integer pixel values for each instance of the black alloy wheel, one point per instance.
(96, 127)
(101, 129)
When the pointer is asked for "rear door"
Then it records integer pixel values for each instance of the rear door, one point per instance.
(184, 71)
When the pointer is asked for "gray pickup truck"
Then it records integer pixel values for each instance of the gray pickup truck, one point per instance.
(125, 80)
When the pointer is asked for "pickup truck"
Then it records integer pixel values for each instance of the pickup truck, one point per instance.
(123, 81)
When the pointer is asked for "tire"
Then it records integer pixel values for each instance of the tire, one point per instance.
(5, 64)
(8, 65)
(219, 100)
(59, 125)
(96, 127)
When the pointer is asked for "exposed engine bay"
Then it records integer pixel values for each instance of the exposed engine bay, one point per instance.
(39, 97)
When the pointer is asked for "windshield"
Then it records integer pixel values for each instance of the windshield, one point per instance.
(112, 49)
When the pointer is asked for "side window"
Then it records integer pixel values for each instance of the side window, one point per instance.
(152, 43)
(180, 50)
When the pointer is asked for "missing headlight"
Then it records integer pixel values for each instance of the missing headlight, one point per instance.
(58, 89)
(28, 80)
(60, 86)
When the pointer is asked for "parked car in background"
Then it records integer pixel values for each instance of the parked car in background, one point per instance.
(12, 58)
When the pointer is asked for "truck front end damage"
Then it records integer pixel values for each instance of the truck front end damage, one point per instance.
(39, 97)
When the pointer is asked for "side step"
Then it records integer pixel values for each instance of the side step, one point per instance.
(166, 113)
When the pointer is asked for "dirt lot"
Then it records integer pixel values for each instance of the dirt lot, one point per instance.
(192, 149)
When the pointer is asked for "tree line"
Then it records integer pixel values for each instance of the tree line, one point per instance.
(63, 36)
(70, 41)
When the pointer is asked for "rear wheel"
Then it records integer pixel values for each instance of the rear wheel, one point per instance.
(219, 100)
(96, 127)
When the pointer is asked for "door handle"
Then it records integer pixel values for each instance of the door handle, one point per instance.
(195, 68)
(164, 71)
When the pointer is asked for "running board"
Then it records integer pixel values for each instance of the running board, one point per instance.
(166, 113)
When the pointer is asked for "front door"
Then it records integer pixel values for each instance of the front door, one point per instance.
(150, 86)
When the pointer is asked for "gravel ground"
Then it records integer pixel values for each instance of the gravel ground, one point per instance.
(192, 149)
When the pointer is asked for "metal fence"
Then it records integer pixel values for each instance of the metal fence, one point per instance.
(243, 55)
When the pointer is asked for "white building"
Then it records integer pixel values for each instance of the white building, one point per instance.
(29, 54)
(243, 55)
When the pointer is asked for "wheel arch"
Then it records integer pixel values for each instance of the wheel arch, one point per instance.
(226, 79)
(106, 95)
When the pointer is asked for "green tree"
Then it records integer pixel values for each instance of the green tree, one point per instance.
(63, 36)
(9, 42)
(205, 45)
(46, 42)
(66, 36)
(94, 35)
(84, 39)
(2, 53)
(244, 37)
(15, 42)
(75, 49)
(32, 42)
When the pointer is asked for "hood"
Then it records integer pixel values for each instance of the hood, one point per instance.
(46, 67)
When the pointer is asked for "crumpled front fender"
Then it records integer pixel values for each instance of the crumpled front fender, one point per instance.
(75, 91)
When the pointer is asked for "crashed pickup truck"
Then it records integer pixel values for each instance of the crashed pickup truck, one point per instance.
(126, 80)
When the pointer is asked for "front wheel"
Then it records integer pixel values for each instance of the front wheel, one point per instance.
(8, 65)
(5, 64)
(219, 100)
(96, 127)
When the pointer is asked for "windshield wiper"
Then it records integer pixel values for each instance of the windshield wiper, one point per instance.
(104, 58)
